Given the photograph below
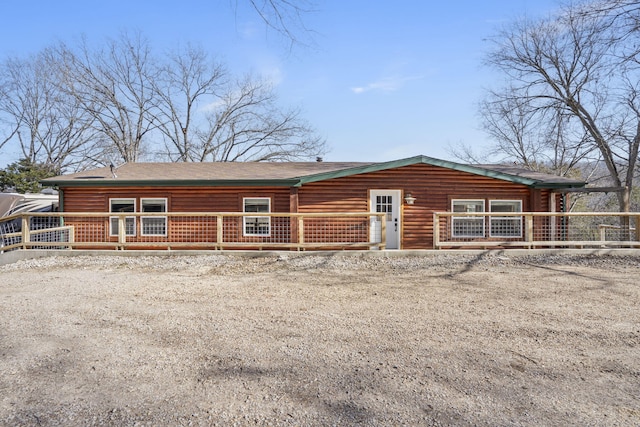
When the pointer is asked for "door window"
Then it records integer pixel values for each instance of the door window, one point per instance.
(385, 204)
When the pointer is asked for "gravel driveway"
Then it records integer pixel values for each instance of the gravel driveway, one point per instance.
(316, 340)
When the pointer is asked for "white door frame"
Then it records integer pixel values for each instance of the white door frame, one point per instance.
(394, 219)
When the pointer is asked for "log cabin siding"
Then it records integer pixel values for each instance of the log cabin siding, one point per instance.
(433, 187)
(179, 199)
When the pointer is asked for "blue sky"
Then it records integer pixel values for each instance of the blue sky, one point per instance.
(385, 80)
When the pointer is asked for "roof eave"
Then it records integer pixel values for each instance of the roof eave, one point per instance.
(372, 167)
(375, 167)
(558, 185)
(171, 183)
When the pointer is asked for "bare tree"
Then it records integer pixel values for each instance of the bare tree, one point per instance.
(49, 126)
(9, 124)
(578, 67)
(82, 106)
(247, 125)
(542, 139)
(207, 117)
(187, 83)
(115, 87)
(286, 18)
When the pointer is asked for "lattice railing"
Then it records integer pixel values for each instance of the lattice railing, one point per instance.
(193, 230)
(311, 231)
(536, 229)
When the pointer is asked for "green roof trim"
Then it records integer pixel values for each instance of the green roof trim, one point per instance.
(375, 167)
(292, 174)
(173, 183)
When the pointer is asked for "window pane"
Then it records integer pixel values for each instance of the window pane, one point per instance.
(256, 205)
(506, 206)
(153, 205)
(129, 225)
(384, 204)
(468, 206)
(506, 227)
(154, 226)
(122, 206)
(468, 227)
(257, 225)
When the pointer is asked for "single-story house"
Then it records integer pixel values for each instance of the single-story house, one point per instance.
(408, 191)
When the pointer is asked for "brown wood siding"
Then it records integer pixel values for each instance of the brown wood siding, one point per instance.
(433, 187)
(179, 199)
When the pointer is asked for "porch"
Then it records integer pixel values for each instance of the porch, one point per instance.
(484, 230)
(213, 231)
(312, 231)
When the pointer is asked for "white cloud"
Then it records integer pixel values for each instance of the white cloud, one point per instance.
(386, 84)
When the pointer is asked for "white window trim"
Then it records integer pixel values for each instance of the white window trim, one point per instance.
(454, 218)
(164, 217)
(510, 217)
(123, 199)
(245, 218)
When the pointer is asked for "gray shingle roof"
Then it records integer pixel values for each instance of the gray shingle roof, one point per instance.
(286, 173)
(210, 171)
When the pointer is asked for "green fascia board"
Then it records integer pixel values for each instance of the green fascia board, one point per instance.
(173, 183)
(375, 167)
(305, 179)
(557, 185)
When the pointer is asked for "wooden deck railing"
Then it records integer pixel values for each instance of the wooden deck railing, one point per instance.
(535, 229)
(194, 230)
(336, 231)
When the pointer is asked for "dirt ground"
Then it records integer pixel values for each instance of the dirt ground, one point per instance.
(313, 340)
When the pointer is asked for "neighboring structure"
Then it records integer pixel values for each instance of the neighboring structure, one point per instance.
(12, 203)
(408, 190)
(15, 203)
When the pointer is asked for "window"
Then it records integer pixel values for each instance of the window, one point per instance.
(506, 226)
(153, 225)
(122, 206)
(385, 204)
(467, 226)
(257, 225)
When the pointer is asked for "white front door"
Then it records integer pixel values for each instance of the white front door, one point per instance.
(388, 202)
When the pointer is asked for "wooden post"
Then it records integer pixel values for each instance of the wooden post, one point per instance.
(295, 224)
(300, 231)
(529, 228)
(637, 228)
(219, 231)
(122, 230)
(553, 226)
(26, 232)
(72, 236)
(383, 231)
(436, 230)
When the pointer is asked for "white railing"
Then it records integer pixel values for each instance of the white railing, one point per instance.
(535, 229)
(193, 230)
